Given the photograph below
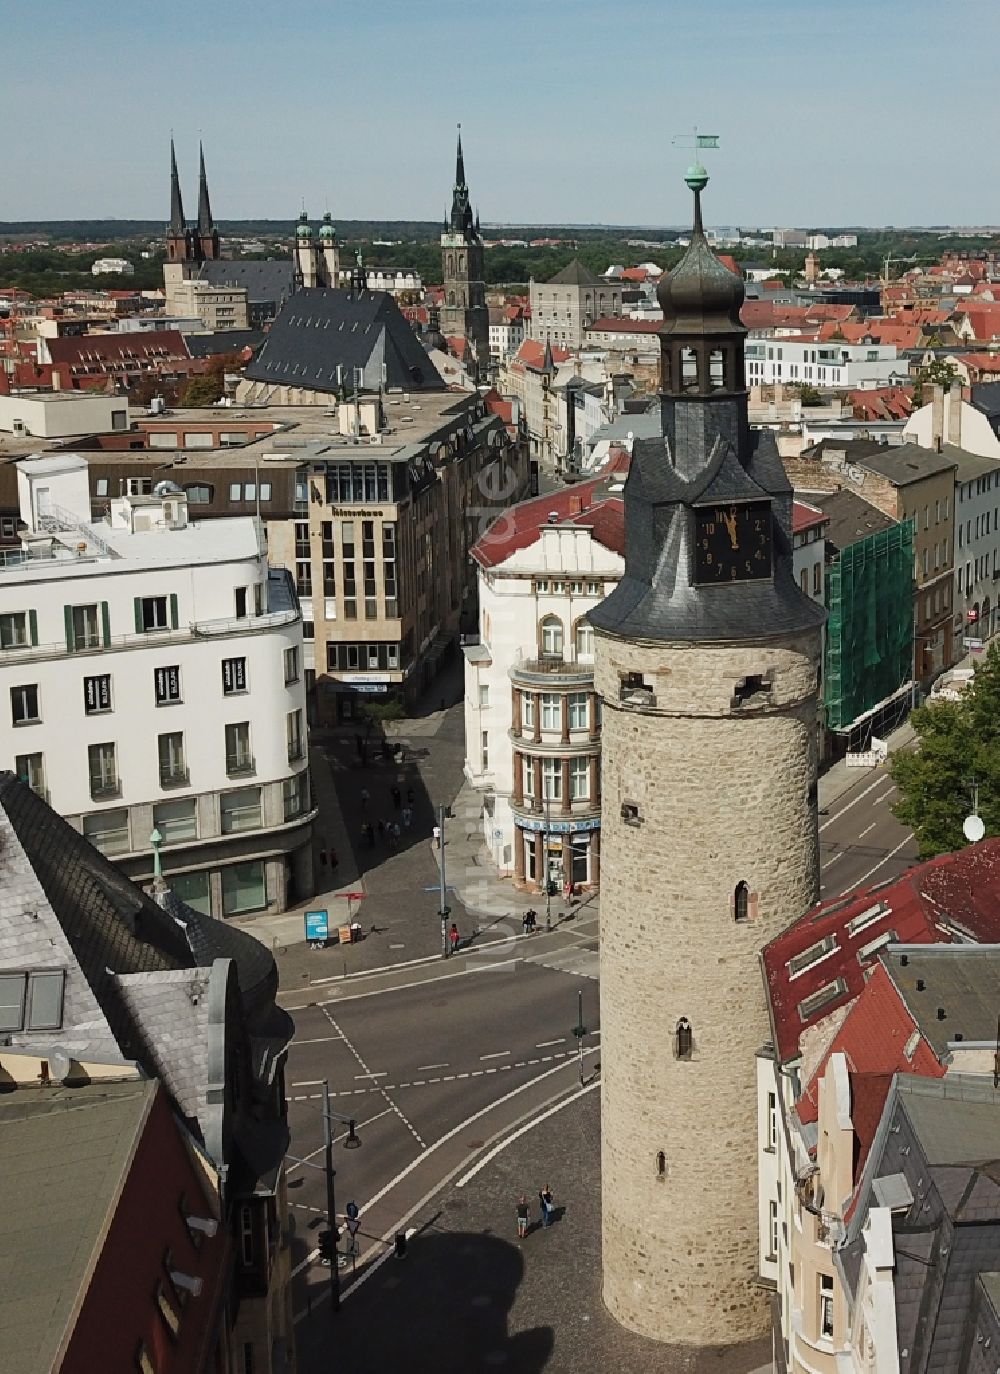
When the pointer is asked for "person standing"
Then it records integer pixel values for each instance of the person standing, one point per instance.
(397, 797)
(437, 836)
(453, 937)
(322, 858)
(395, 834)
(522, 1217)
(407, 817)
(364, 799)
(545, 1198)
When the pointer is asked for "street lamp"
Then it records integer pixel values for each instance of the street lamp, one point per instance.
(546, 871)
(352, 1142)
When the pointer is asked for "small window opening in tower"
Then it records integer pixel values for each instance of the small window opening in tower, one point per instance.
(683, 1039)
(741, 902)
(689, 369)
(636, 691)
(749, 687)
(661, 1165)
(717, 369)
(631, 814)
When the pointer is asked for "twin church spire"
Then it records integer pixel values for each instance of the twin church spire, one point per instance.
(191, 243)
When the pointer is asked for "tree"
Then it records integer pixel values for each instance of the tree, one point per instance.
(940, 372)
(958, 746)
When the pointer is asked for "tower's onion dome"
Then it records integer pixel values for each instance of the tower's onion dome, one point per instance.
(303, 230)
(700, 288)
(327, 233)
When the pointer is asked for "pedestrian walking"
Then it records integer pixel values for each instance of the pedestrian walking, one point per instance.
(411, 796)
(381, 829)
(322, 858)
(364, 799)
(334, 860)
(437, 836)
(522, 1217)
(407, 817)
(545, 1199)
(453, 936)
(395, 834)
(370, 829)
(397, 797)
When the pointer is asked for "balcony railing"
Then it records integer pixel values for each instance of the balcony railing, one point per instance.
(548, 668)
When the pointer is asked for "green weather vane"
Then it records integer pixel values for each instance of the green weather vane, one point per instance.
(695, 140)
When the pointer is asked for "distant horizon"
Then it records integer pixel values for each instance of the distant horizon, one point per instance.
(332, 107)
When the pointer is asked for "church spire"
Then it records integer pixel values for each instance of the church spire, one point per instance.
(459, 164)
(176, 205)
(205, 225)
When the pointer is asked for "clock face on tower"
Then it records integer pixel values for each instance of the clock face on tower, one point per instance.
(733, 542)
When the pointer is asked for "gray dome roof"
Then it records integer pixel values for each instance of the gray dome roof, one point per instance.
(701, 294)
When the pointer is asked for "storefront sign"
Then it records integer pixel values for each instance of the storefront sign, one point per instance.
(355, 678)
(357, 512)
(317, 925)
(558, 827)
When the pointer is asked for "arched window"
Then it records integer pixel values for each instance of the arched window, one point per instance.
(741, 902)
(552, 636)
(689, 369)
(716, 369)
(584, 642)
(683, 1039)
(661, 1164)
(451, 298)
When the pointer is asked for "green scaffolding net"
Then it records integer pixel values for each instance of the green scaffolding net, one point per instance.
(869, 635)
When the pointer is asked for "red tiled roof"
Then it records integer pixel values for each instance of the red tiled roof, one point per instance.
(980, 362)
(532, 354)
(618, 324)
(150, 346)
(729, 261)
(499, 405)
(873, 1037)
(520, 527)
(804, 517)
(983, 320)
(951, 897)
(882, 403)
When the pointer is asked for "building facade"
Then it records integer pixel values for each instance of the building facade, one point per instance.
(832, 364)
(564, 308)
(154, 689)
(464, 312)
(532, 716)
(707, 655)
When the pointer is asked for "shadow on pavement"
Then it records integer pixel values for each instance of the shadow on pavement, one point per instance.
(444, 1308)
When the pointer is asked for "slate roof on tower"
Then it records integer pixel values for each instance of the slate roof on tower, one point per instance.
(321, 336)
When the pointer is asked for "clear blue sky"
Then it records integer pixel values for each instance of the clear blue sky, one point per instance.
(852, 111)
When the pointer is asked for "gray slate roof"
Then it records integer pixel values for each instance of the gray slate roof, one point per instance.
(223, 341)
(960, 981)
(851, 517)
(263, 281)
(320, 331)
(63, 1154)
(902, 464)
(575, 274)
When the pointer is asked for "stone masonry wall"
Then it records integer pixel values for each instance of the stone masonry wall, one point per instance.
(724, 795)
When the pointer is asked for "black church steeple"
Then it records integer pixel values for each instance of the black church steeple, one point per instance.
(197, 243)
(461, 221)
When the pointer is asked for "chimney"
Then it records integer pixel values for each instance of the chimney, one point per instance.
(56, 380)
(955, 414)
(576, 503)
(937, 416)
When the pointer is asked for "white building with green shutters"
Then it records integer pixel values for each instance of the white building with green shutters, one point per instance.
(152, 689)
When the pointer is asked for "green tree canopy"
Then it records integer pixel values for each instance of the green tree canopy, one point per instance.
(940, 372)
(958, 745)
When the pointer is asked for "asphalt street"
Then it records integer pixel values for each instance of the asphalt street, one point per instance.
(861, 842)
(431, 1072)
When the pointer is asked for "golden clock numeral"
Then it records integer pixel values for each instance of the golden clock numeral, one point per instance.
(710, 527)
(733, 573)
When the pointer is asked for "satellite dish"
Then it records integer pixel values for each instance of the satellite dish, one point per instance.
(973, 828)
(59, 1063)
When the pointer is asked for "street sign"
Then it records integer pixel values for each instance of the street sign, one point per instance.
(317, 925)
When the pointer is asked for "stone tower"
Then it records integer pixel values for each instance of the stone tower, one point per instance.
(200, 242)
(464, 312)
(205, 231)
(706, 659)
(305, 257)
(179, 245)
(329, 265)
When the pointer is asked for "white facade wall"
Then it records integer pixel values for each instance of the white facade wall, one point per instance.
(59, 415)
(808, 556)
(977, 555)
(830, 364)
(212, 579)
(512, 607)
(969, 430)
(506, 338)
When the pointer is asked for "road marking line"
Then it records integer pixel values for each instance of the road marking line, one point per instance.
(322, 1040)
(883, 796)
(515, 1135)
(824, 867)
(409, 1125)
(308, 1083)
(381, 1074)
(417, 1083)
(426, 1068)
(462, 1075)
(378, 1255)
(870, 788)
(499, 1054)
(866, 830)
(859, 882)
(433, 1080)
(545, 1044)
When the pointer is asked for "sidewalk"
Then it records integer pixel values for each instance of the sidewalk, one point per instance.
(839, 779)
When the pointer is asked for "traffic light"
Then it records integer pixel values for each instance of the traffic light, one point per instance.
(400, 1244)
(326, 1246)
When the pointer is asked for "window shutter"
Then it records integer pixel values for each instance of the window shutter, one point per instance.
(32, 627)
(68, 613)
(106, 623)
(137, 602)
(173, 611)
